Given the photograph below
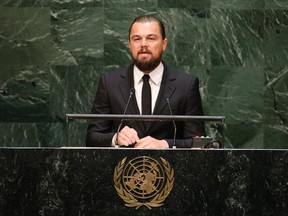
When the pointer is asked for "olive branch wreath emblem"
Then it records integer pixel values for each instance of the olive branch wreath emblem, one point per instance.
(130, 200)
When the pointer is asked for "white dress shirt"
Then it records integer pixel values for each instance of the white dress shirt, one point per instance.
(155, 83)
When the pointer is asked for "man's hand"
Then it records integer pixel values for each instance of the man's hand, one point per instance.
(127, 136)
(150, 142)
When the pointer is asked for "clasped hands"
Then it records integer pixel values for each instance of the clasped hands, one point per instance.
(128, 136)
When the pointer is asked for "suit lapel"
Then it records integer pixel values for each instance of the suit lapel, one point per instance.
(166, 91)
(125, 86)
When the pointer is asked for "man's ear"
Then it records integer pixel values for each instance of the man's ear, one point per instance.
(165, 43)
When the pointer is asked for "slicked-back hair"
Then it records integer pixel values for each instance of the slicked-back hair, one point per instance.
(149, 18)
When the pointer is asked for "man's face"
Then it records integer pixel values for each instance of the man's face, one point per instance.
(146, 45)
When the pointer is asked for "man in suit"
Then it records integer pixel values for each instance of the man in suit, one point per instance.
(166, 87)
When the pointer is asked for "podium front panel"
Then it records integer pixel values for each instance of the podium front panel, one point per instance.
(111, 181)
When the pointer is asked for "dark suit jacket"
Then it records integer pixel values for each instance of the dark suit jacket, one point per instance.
(112, 96)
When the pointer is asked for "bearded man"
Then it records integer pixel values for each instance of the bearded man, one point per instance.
(153, 83)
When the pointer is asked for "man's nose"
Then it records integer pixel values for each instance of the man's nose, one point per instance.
(143, 42)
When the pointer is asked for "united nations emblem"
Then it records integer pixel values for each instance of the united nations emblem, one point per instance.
(143, 181)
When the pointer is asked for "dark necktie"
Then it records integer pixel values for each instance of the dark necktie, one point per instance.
(146, 95)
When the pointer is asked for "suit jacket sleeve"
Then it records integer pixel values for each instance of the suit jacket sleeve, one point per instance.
(99, 132)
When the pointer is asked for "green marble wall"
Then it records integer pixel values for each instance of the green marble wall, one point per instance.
(52, 52)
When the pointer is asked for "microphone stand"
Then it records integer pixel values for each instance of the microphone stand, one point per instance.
(175, 128)
(125, 110)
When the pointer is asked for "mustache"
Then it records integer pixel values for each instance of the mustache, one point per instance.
(144, 51)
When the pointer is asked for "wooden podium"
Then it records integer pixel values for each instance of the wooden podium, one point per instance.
(111, 181)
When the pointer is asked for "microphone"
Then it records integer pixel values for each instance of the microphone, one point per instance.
(132, 91)
(175, 128)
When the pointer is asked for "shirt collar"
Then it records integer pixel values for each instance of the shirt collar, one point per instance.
(155, 75)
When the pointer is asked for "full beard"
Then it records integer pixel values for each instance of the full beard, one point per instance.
(147, 66)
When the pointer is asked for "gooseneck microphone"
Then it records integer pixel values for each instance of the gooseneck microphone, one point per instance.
(131, 92)
(175, 128)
